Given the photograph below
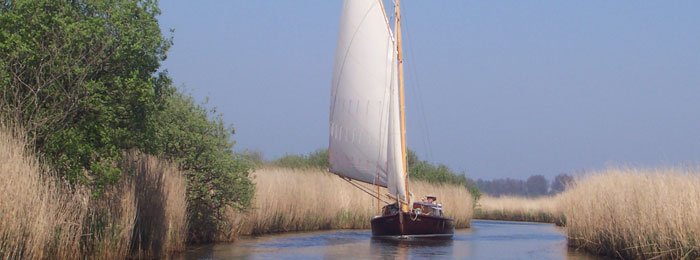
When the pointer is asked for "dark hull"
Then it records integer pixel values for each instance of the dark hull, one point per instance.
(404, 225)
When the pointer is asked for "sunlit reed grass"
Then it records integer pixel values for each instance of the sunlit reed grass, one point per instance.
(160, 228)
(42, 218)
(456, 200)
(541, 209)
(39, 216)
(311, 199)
(636, 213)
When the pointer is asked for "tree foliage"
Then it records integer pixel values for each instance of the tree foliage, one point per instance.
(560, 182)
(316, 159)
(533, 186)
(537, 185)
(200, 142)
(499, 187)
(424, 170)
(81, 77)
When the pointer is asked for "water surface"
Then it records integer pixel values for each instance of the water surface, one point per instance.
(485, 240)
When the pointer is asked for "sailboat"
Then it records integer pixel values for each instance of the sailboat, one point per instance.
(367, 127)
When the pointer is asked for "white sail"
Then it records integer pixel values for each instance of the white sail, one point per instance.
(361, 94)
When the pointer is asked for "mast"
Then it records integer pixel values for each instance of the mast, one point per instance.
(401, 101)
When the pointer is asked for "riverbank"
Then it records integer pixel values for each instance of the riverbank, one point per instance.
(541, 209)
(289, 199)
(635, 213)
(41, 217)
(621, 213)
(144, 215)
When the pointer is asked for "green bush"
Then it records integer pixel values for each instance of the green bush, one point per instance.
(200, 143)
(316, 159)
(424, 170)
(81, 77)
(254, 157)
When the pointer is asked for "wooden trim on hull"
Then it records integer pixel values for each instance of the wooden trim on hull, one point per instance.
(406, 226)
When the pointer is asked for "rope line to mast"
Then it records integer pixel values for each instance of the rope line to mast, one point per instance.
(365, 190)
(416, 86)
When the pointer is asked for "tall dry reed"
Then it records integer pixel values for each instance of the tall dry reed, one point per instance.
(456, 201)
(636, 213)
(541, 209)
(309, 199)
(143, 216)
(39, 216)
(160, 226)
(109, 223)
(42, 218)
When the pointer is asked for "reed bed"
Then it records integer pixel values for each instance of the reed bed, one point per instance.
(39, 216)
(289, 199)
(109, 224)
(456, 200)
(43, 218)
(160, 228)
(541, 209)
(636, 213)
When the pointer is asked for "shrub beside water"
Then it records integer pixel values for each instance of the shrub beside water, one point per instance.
(83, 79)
(200, 143)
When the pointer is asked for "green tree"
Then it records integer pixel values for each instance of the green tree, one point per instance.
(82, 77)
(537, 185)
(316, 159)
(560, 182)
(199, 141)
(424, 170)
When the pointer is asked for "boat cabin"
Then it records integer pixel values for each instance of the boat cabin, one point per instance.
(419, 208)
(425, 208)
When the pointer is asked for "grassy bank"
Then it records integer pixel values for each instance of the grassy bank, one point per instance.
(636, 214)
(41, 217)
(310, 199)
(541, 209)
(419, 170)
(620, 213)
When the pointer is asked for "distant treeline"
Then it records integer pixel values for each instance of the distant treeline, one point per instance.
(534, 186)
(417, 169)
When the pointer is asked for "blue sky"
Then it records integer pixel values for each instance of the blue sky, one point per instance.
(494, 88)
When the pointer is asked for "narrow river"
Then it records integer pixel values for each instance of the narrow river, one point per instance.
(485, 240)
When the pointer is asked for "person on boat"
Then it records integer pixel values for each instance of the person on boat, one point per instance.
(431, 199)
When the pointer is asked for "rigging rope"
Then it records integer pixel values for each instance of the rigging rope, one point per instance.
(417, 89)
(363, 189)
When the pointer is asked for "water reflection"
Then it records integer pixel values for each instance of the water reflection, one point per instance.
(402, 249)
(485, 240)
